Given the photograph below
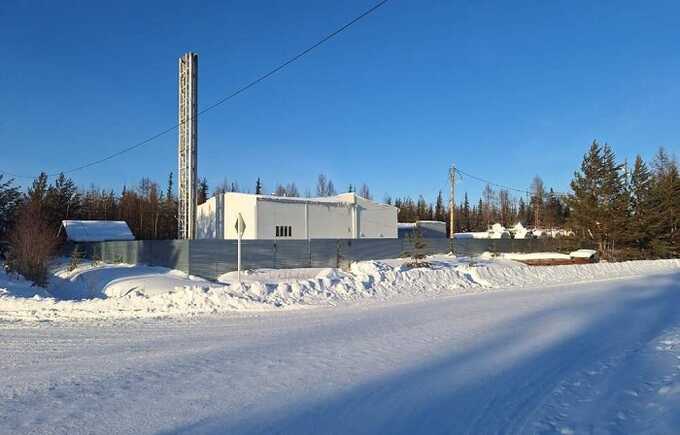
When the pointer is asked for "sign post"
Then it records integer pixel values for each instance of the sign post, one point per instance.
(240, 229)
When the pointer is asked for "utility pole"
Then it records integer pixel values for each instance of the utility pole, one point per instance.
(452, 201)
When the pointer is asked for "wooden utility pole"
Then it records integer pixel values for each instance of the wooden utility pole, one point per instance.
(452, 201)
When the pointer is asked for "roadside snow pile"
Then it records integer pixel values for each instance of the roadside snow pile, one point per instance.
(12, 285)
(126, 291)
(115, 280)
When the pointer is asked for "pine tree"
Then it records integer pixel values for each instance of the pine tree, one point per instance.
(38, 189)
(640, 205)
(615, 200)
(10, 199)
(258, 187)
(466, 217)
(537, 202)
(523, 213)
(416, 250)
(422, 210)
(61, 201)
(439, 209)
(600, 202)
(665, 210)
(479, 221)
(202, 191)
(586, 185)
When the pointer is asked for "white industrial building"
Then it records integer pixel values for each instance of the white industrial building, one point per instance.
(345, 216)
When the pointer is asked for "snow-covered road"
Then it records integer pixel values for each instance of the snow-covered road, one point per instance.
(589, 357)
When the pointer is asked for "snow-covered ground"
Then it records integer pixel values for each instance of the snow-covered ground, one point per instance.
(105, 291)
(598, 356)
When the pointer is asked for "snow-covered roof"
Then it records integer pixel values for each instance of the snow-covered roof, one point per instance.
(343, 199)
(583, 253)
(406, 225)
(96, 231)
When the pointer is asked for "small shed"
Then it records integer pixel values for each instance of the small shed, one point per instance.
(428, 229)
(96, 230)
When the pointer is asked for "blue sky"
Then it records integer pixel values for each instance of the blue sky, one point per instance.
(507, 90)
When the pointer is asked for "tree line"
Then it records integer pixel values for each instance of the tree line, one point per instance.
(540, 209)
(626, 210)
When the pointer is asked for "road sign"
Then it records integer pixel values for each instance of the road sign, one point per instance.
(240, 225)
(240, 229)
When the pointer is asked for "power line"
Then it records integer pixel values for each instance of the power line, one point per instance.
(220, 101)
(501, 186)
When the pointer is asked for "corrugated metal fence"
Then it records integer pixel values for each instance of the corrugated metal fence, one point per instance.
(212, 258)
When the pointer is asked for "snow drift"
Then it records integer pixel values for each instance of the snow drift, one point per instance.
(126, 291)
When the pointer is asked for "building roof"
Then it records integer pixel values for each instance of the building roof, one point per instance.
(343, 199)
(96, 231)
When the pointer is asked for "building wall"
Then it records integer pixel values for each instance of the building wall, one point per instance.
(376, 220)
(235, 203)
(330, 221)
(206, 220)
(312, 219)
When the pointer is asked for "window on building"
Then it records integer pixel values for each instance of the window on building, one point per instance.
(284, 231)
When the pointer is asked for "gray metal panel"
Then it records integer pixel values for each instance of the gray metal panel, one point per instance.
(438, 246)
(291, 253)
(173, 254)
(324, 252)
(211, 258)
(256, 254)
(374, 249)
(470, 247)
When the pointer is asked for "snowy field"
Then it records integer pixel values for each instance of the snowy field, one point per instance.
(475, 346)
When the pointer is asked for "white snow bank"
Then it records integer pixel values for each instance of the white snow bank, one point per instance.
(124, 291)
(534, 256)
(13, 285)
(115, 280)
(583, 253)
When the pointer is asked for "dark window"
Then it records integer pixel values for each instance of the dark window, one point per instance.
(290, 231)
(277, 231)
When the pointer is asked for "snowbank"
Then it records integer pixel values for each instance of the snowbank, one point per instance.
(125, 291)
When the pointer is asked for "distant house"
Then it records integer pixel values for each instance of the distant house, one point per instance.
(428, 229)
(496, 231)
(96, 231)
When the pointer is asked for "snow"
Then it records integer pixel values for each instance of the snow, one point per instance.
(497, 231)
(583, 253)
(97, 231)
(108, 292)
(534, 256)
(558, 357)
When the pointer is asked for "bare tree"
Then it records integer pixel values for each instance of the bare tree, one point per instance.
(32, 243)
(322, 185)
(364, 192)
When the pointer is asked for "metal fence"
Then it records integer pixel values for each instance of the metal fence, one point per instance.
(212, 258)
